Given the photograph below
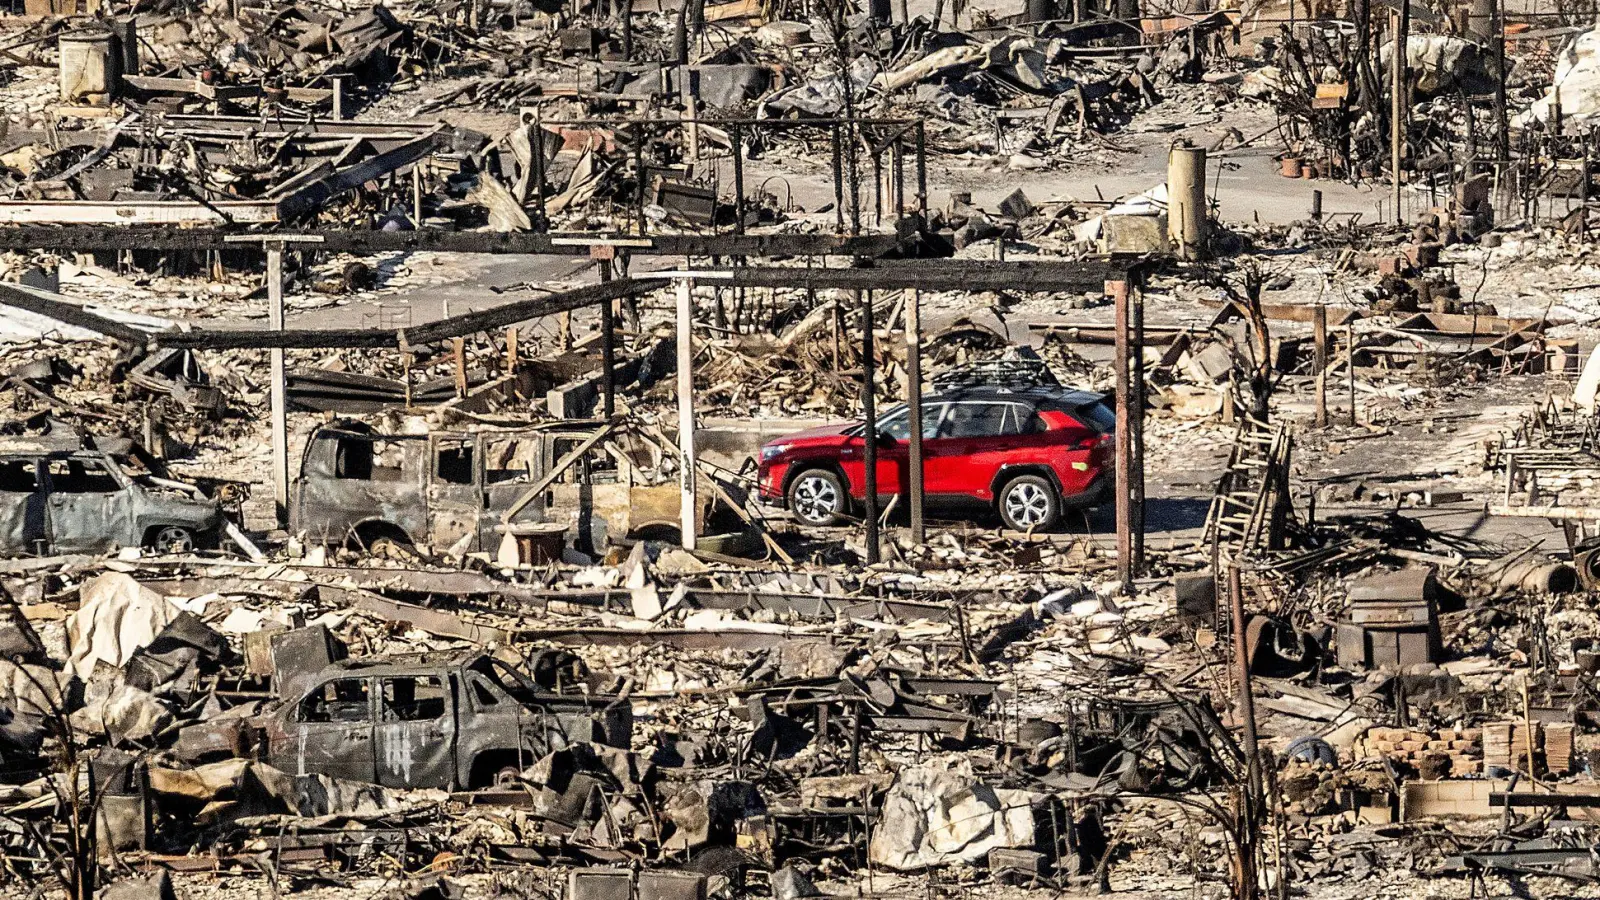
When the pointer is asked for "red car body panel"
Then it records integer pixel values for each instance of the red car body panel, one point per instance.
(1077, 455)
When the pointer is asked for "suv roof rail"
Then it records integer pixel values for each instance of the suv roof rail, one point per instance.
(1013, 374)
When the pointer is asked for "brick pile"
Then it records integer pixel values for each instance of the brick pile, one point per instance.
(1451, 753)
(1505, 745)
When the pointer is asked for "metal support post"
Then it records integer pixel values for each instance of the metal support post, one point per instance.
(919, 532)
(1247, 718)
(1319, 324)
(687, 490)
(1124, 438)
(1136, 441)
(869, 434)
(279, 389)
(608, 348)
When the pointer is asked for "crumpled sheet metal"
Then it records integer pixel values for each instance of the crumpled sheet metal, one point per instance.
(939, 813)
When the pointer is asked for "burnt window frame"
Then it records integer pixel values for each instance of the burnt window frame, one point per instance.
(317, 693)
(475, 470)
(385, 706)
(118, 478)
(28, 463)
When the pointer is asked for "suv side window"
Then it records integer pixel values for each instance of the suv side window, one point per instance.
(81, 475)
(1020, 420)
(973, 420)
(344, 700)
(897, 424)
(412, 699)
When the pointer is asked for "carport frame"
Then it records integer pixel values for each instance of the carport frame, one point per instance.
(1115, 277)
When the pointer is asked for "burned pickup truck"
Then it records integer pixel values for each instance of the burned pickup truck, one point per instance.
(452, 489)
(70, 494)
(452, 721)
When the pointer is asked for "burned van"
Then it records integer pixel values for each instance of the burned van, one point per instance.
(448, 489)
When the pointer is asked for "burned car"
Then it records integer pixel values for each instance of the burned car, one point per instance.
(452, 721)
(77, 495)
(364, 488)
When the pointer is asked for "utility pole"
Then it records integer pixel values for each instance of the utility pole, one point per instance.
(919, 533)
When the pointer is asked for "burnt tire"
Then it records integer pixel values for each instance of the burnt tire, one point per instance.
(172, 539)
(817, 498)
(1029, 503)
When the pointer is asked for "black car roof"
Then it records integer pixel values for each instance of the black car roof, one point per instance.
(1053, 394)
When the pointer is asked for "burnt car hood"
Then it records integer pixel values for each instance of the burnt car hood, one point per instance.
(822, 434)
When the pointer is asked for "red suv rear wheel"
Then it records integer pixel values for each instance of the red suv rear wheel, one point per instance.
(1029, 502)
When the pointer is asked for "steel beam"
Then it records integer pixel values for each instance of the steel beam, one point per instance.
(942, 275)
(83, 238)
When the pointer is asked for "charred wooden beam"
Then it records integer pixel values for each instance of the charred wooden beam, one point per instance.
(330, 338)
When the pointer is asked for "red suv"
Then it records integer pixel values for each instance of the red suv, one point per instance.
(1026, 453)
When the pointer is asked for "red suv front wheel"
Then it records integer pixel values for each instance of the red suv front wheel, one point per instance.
(816, 497)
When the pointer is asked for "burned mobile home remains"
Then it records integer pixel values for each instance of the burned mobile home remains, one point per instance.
(687, 450)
